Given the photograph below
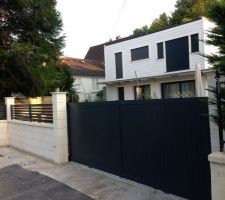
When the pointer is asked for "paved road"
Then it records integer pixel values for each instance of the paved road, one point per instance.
(26, 177)
(17, 183)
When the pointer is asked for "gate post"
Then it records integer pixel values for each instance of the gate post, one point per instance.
(8, 102)
(217, 163)
(60, 126)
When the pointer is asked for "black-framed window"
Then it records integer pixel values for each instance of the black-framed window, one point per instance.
(121, 93)
(194, 43)
(160, 50)
(142, 92)
(139, 53)
(183, 89)
(119, 65)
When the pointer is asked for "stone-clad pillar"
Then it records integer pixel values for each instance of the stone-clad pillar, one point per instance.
(60, 126)
(8, 102)
(217, 163)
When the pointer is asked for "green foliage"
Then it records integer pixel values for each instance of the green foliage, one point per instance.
(216, 13)
(185, 11)
(158, 24)
(30, 46)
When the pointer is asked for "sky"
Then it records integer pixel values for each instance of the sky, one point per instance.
(92, 22)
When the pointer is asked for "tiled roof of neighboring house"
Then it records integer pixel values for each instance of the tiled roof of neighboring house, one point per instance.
(83, 66)
(96, 53)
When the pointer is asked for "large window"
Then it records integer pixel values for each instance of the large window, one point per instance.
(119, 65)
(139, 53)
(160, 50)
(177, 54)
(178, 89)
(194, 43)
(142, 92)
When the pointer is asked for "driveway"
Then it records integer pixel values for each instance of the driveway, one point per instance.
(26, 177)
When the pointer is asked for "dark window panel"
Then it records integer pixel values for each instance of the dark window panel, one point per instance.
(177, 54)
(139, 53)
(160, 50)
(119, 65)
(194, 43)
(121, 93)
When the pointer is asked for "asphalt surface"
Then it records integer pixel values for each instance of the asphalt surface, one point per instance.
(17, 183)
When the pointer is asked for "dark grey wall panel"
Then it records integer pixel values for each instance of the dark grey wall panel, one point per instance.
(194, 43)
(121, 93)
(160, 50)
(177, 54)
(119, 65)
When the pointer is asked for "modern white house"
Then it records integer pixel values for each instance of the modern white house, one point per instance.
(164, 64)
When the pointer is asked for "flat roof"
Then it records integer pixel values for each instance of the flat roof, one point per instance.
(137, 36)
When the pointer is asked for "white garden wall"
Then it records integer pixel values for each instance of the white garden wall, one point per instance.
(37, 138)
(4, 137)
(46, 140)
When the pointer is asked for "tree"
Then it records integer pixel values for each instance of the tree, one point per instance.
(216, 37)
(189, 10)
(158, 24)
(185, 11)
(30, 46)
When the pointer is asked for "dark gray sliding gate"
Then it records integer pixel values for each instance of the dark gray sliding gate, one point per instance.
(161, 143)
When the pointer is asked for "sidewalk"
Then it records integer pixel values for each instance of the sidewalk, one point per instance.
(83, 180)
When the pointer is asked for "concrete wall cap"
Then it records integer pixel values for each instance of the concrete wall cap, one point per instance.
(59, 92)
(217, 157)
(45, 125)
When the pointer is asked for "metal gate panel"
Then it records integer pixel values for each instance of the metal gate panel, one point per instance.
(161, 143)
(94, 135)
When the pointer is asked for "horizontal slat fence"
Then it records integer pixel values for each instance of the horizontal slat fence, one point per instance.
(2, 112)
(32, 113)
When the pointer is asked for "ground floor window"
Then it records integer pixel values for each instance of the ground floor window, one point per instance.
(182, 89)
(142, 92)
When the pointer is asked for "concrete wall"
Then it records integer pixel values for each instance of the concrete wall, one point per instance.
(4, 136)
(153, 66)
(37, 138)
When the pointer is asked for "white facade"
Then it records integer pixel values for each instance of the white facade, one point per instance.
(153, 70)
(88, 87)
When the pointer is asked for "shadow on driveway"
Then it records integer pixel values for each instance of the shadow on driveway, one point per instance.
(17, 183)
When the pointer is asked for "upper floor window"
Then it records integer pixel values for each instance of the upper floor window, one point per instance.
(177, 54)
(139, 53)
(119, 65)
(160, 50)
(194, 43)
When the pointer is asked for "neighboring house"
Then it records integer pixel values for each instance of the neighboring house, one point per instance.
(88, 77)
(159, 65)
